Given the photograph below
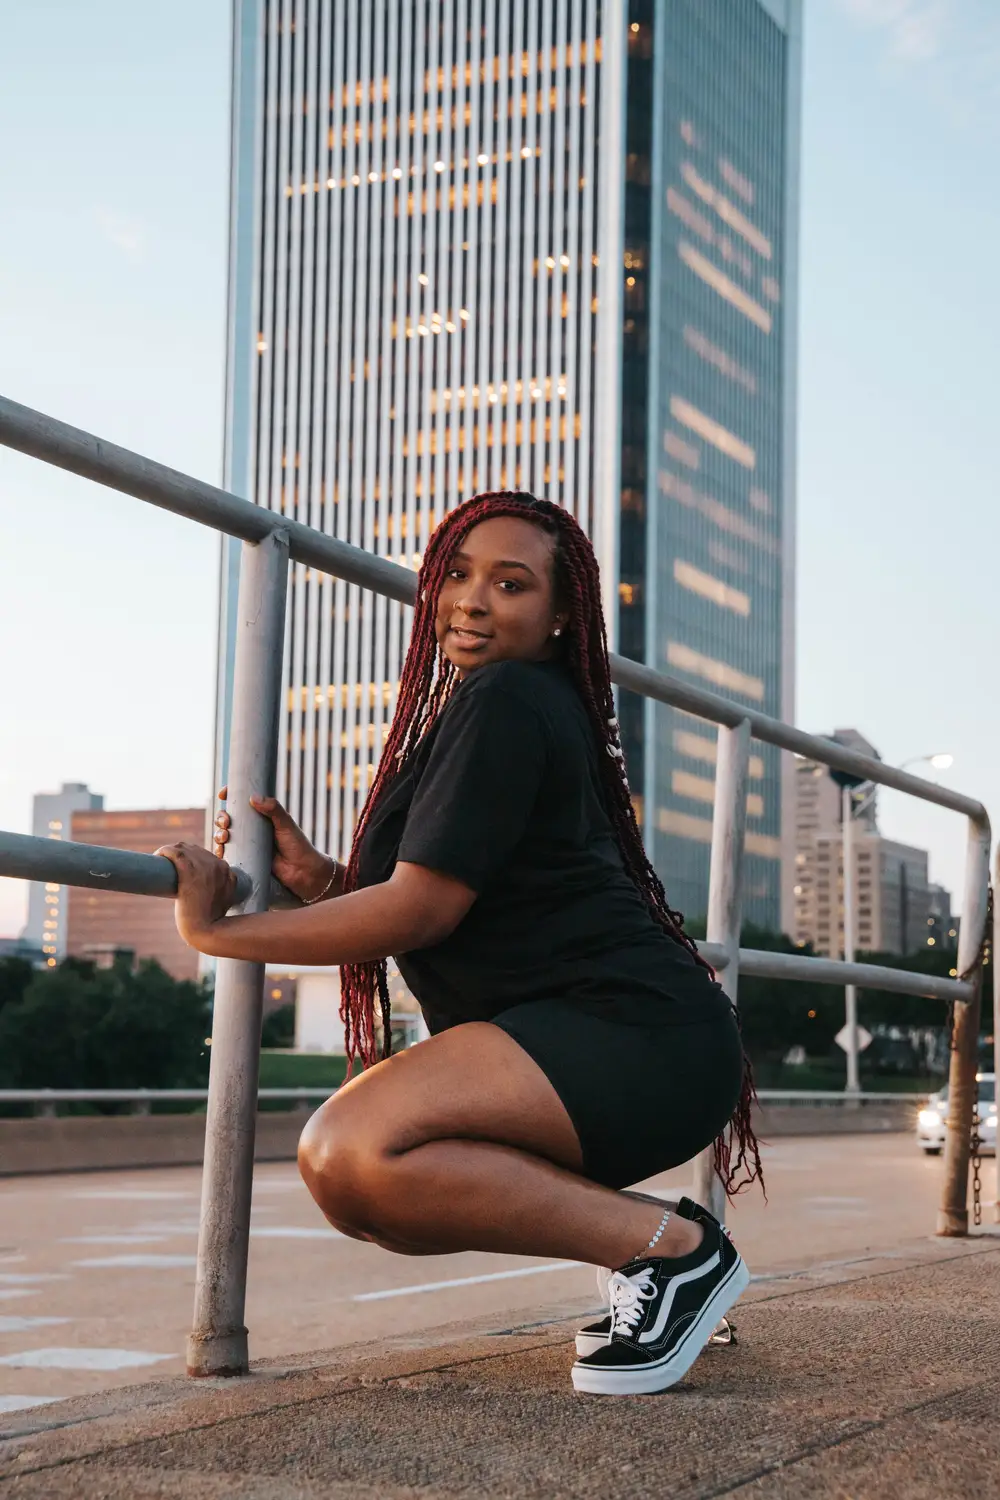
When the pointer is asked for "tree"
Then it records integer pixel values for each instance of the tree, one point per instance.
(76, 1026)
(279, 1028)
(15, 976)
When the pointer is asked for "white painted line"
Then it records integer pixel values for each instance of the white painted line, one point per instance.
(11, 1260)
(112, 1239)
(22, 1403)
(440, 1286)
(139, 1262)
(8, 1294)
(21, 1325)
(26, 1278)
(291, 1232)
(81, 1359)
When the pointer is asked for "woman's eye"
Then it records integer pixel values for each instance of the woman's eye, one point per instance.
(455, 573)
(510, 585)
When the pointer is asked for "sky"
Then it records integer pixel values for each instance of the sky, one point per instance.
(112, 311)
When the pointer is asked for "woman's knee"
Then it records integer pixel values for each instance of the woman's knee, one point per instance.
(340, 1163)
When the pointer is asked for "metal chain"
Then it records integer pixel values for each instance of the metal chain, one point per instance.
(977, 1207)
(983, 956)
(981, 959)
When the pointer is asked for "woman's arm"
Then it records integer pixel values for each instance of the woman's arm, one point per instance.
(415, 908)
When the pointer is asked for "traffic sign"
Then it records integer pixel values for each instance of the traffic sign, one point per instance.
(843, 1037)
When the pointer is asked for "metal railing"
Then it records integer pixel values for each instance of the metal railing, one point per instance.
(218, 1341)
(46, 1098)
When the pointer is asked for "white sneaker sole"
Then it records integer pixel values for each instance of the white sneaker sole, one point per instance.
(589, 1343)
(644, 1380)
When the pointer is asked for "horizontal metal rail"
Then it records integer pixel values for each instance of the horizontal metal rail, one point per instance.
(766, 965)
(24, 856)
(79, 452)
(198, 1096)
(144, 1096)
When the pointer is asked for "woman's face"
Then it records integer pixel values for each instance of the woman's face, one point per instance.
(497, 602)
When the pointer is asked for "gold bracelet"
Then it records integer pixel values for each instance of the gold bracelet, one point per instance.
(313, 899)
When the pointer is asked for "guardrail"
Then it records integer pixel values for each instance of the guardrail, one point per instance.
(47, 1097)
(218, 1342)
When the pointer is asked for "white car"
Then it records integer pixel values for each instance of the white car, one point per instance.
(931, 1120)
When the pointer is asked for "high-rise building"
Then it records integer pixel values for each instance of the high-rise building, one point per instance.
(488, 245)
(893, 900)
(51, 813)
(103, 923)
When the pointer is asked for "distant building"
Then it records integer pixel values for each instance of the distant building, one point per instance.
(891, 890)
(21, 948)
(942, 924)
(51, 813)
(544, 248)
(102, 923)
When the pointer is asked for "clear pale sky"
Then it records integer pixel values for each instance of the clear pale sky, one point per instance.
(113, 181)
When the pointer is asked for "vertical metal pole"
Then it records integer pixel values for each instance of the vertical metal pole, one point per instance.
(853, 1085)
(725, 903)
(995, 949)
(953, 1215)
(217, 1344)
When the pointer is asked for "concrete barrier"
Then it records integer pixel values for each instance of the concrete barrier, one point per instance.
(90, 1143)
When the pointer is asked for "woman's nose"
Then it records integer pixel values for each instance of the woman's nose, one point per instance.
(473, 599)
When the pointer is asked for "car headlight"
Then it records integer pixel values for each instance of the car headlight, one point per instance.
(929, 1117)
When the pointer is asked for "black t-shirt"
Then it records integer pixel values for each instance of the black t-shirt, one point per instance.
(503, 793)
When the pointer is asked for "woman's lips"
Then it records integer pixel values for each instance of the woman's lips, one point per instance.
(468, 638)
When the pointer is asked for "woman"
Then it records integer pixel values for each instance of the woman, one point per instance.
(578, 1043)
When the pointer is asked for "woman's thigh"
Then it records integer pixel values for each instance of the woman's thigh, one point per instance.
(471, 1082)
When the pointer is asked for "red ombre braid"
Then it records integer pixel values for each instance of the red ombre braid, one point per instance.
(427, 681)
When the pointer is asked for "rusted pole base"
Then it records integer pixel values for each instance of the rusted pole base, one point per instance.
(952, 1222)
(218, 1353)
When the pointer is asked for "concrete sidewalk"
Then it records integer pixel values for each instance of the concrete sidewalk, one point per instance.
(867, 1379)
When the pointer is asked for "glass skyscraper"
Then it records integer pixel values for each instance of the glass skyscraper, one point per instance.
(503, 244)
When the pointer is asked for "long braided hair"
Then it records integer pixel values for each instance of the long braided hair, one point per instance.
(427, 682)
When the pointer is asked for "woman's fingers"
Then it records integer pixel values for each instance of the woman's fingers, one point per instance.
(223, 793)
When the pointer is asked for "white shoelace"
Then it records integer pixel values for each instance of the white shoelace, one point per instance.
(626, 1295)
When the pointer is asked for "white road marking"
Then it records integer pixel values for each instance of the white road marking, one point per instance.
(440, 1286)
(22, 1403)
(8, 1294)
(292, 1232)
(21, 1325)
(139, 1262)
(81, 1359)
(11, 1260)
(25, 1278)
(112, 1239)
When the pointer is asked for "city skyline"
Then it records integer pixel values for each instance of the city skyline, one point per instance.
(123, 336)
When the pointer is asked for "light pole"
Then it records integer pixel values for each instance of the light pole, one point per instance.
(849, 786)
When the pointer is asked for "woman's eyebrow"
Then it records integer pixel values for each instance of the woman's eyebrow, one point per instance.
(502, 563)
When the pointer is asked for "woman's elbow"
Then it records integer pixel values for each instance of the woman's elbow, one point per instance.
(437, 904)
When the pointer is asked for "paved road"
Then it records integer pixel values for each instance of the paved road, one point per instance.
(97, 1270)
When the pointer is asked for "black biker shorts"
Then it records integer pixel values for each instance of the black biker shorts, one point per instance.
(643, 1095)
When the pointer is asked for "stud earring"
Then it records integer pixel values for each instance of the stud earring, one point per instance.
(558, 630)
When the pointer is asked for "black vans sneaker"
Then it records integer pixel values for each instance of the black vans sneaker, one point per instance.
(662, 1313)
(594, 1336)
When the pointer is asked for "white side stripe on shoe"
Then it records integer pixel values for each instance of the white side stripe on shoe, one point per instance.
(662, 1317)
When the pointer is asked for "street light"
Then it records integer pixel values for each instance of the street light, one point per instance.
(849, 786)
